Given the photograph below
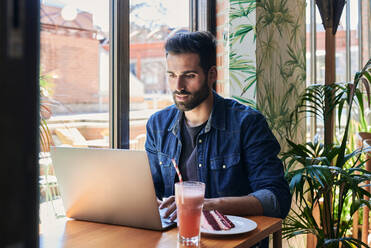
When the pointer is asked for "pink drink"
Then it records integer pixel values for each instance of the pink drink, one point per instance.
(189, 197)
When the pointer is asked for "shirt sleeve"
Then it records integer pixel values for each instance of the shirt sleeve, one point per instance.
(268, 200)
(264, 168)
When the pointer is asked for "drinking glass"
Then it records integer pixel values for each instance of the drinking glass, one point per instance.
(189, 198)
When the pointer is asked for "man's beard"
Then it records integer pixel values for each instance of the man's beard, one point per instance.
(194, 99)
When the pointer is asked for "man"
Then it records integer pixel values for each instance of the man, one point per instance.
(218, 141)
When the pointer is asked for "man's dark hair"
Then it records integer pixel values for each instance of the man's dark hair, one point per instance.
(200, 42)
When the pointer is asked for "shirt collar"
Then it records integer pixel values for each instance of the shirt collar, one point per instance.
(175, 125)
(216, 120)
(217, 117)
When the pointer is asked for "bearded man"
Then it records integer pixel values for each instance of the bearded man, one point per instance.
(218, 141)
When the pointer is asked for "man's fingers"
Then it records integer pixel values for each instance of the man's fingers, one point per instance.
(173, 216)
(167, 202)
(170, 210)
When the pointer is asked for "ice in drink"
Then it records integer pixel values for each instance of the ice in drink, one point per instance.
(189, 198)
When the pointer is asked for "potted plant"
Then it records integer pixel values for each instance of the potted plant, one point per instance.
(45, 113)
(325, 178)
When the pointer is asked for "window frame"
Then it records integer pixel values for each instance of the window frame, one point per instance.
(201, 22)
(119, 71)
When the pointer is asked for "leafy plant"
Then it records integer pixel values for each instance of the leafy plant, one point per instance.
(242, 69)
(324, 178)
(238, 66)
(278, 115)
(281, 63)
(246, 101)
(45, 113)
(241, 9)
(276, 13)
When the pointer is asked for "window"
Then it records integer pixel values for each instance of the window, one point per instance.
(352, 47)
(96, 93)
(151, 22)
(75, 75)
(346, 67)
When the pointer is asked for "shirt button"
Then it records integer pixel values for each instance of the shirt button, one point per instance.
(200, 141)
(160, 162)
(200, 165)
(224, 166)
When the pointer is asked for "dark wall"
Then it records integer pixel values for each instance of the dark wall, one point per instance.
(19, 96)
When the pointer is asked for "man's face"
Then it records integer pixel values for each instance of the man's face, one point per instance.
(187, 80)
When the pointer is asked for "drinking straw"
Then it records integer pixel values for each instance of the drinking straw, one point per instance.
(180, 178)
(177, 170)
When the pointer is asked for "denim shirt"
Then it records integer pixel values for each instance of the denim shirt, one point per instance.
(236, 152)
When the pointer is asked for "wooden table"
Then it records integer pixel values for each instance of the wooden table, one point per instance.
(72, 233)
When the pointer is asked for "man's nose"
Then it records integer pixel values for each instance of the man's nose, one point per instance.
(179, 83)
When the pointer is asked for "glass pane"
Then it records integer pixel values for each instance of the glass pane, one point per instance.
(151, 22)
(320, 56)
(309, 79)
(74, 84)
(308, 56)
(340, 43)
(320, 52)
(354, 39)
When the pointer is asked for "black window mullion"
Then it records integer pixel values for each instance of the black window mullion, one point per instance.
(203, 15)
(193, 15)
(120, 72)
(211, 16)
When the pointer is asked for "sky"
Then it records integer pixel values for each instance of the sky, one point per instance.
(176, 15)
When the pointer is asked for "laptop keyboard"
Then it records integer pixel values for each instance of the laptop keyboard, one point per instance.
(165, 221)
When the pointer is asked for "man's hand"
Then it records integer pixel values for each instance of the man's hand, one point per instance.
(169, 203)
(211, 204)
(240, 206)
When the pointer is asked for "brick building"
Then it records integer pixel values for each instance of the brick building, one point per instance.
(70, 58)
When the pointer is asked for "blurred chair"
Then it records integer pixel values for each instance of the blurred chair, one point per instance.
(71, 136)
(138, 143)
(47, 181)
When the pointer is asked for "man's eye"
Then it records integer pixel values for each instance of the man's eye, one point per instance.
(171, 75)
(190, 76)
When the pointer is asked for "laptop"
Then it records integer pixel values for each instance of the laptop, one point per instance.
(110, 186)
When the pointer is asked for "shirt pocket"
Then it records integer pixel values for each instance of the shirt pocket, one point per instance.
(226, 173)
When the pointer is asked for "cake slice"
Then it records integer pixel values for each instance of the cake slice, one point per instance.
(215, 221)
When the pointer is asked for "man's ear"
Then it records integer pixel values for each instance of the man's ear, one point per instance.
(212, 75)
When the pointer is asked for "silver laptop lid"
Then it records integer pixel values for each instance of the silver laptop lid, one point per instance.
(107, 185)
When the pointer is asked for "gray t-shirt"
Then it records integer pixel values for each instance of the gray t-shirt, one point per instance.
(188, 157)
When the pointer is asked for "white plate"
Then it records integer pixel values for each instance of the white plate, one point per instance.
(242, 225)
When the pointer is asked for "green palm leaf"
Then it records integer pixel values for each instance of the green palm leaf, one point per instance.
(328, 176)
(246, 101)
(242, 31)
